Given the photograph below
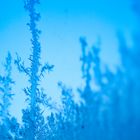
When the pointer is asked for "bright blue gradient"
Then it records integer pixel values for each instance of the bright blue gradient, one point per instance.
(62, 23)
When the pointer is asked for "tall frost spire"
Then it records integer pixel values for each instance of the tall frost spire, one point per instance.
(34, 123)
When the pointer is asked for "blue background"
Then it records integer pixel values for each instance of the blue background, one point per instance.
(62, 23)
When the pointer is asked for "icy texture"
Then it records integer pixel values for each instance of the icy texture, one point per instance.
(109, 107)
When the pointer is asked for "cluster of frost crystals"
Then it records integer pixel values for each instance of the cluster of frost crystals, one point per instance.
(112, 112)
(109, 101)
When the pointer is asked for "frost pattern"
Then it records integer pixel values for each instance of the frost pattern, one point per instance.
(109, 101)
